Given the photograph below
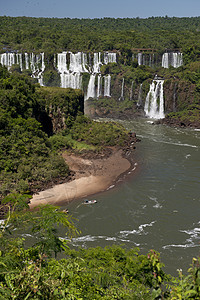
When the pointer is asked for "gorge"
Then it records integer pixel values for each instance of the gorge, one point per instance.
(83, 71)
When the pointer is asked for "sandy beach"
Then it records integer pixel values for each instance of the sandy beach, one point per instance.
(92, 175)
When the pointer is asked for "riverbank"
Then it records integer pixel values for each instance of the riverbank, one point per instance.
(91, 175)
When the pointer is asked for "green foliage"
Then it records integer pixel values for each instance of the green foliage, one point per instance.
(187, 117)
(67, 102)
(187, 287)
(100, 34)
(98, 133)
(94, 273)
(51, 78)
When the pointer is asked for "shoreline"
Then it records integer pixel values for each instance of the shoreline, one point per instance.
(92, 176)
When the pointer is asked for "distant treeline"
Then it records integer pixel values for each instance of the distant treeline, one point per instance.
(53, 34)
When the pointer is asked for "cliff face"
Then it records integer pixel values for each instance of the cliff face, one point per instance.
(178, 94)
(61, 106)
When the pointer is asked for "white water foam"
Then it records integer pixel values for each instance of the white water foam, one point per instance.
(176, 144)
(157, 204)
(89, 238)
(191, 242)
(140, 230)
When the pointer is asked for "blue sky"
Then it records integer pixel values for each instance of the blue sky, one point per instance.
(100, 8)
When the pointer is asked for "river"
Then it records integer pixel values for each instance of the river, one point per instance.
(157, 206)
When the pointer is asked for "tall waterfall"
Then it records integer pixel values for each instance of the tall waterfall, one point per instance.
(172, 59)
(71, 78)
(154, 104)
(78, 62)
(139, 57)
(97, 62)
(37, 66)
(7, 59)
(107, 82)
(91, 87)
(131, 91)
(62, 62)
(139, 103)
(34, 62)
(122, 91)
(99, 87)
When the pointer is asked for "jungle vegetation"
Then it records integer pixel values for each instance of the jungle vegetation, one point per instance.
(31, 138)
(35, 271)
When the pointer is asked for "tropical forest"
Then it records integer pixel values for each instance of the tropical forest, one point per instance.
(86, 99)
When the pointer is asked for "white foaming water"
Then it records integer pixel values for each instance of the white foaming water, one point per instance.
(172, 59)
(69, 80)
(110, 58)
(99, 87)
(107, 82)
(140, 230)
(97, 62)
(7, 59)
(154, 104)
(89, 238)
(139, 57)
(157, 204)
(91, 87)
(78, 62)
(122, 91)
(62, 62)
(191, 242)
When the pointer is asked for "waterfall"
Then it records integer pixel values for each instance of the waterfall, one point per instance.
(173, 59)
(107, 82)
(70, 80)
(7, 59)
(19, 60)
(110, 58)
(26, 61)
(97, 62)
(37, 66)
(139, 103)
(154, 104)
(139, 57)
(131, 91)
(91, 87)
(62, 62)
(122, 91)
(40, 73)
(78, 62)
(99, 87)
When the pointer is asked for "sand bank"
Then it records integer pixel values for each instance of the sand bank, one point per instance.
(91, 176)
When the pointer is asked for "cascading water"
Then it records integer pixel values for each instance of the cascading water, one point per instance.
(99, 87)
(91, 87)
(122, 91)
(37, 66)
(131, 91)
(173, 59)
(78, 62)
(33, 62)
(97, 62)
(7, 59)
(110, 58)
(19, 60)
(62, 62)
(71, 78)
(26, 61)
(107, 82)
(154, 104)
(139, 58)
(139, 103)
